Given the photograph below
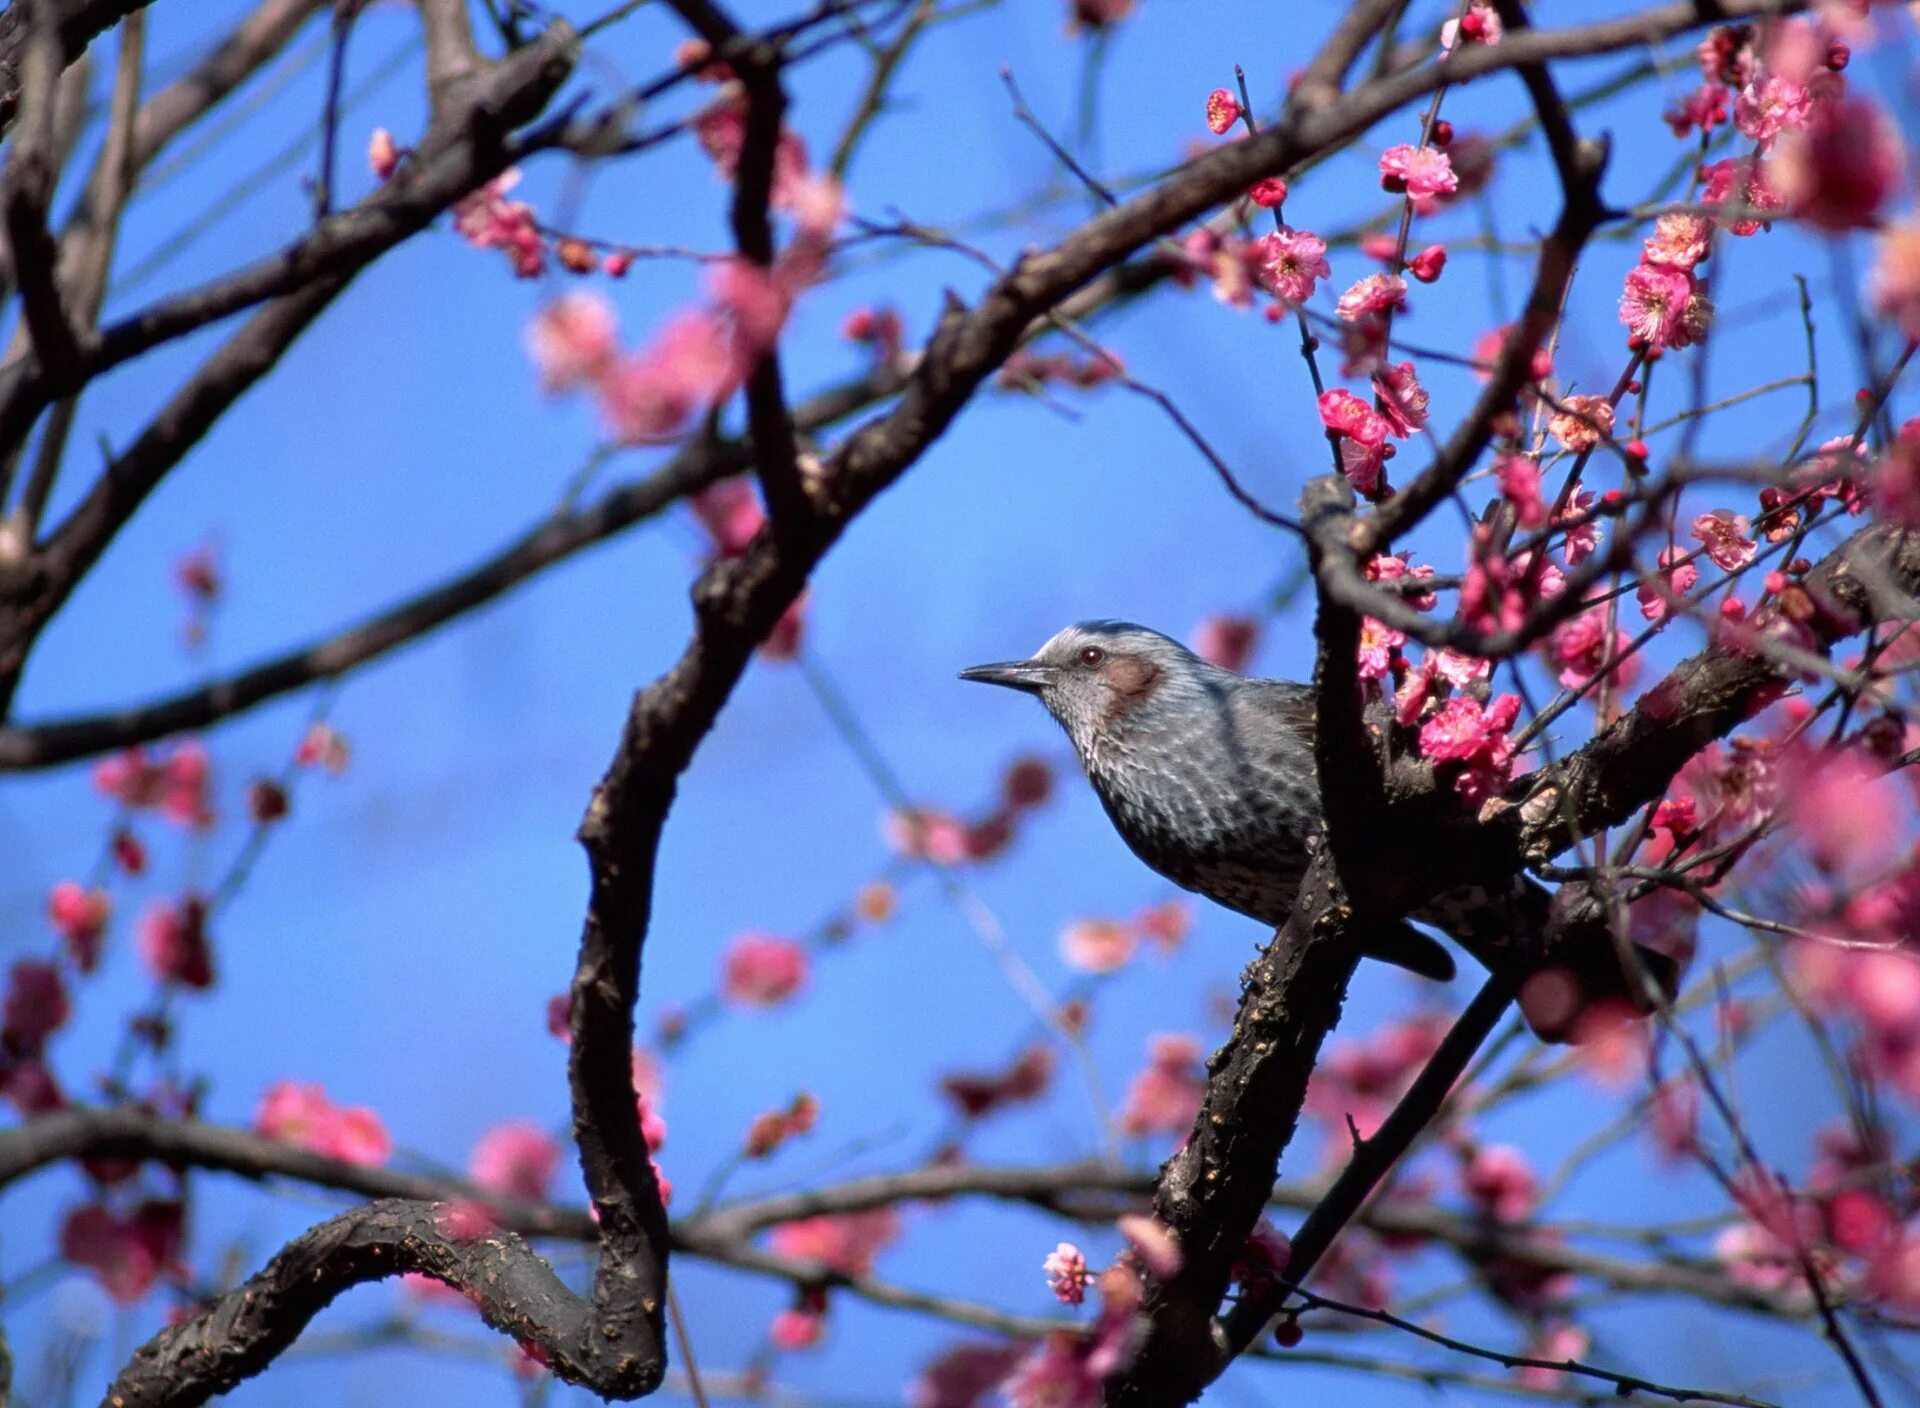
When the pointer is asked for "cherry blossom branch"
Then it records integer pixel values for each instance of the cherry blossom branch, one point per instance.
(697, 464)
(516, 1292)
(758, 64)
(1372, 1160)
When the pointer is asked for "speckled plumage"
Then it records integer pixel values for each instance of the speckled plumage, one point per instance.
(1208, 776)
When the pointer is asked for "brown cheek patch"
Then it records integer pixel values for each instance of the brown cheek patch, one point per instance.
(1132, 680)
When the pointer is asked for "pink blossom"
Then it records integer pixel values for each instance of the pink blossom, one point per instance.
(1498, 1178)
(797, 1328)
(1428, 264)
(303, 1115)
(1759, 196)
(1374, 294)
(964, 1375)
(322, 746)
(1838, 170)
(1067, 1274)
(1844, 808)
(464, 1220)
(1227, 641)
(1519, 479)
(1365, 467)
(1164, 1098)
(1291, 263)
(878, 328)
(1268, 192)
(1056, 1375)
(486, 219)
(1554, 1342)
(1771, 105)
(1400, 398)
(1582, 422)
(1894, 1274)
(762, 970)
(1347, 413)
(757, 300)
(1673, 1119)
(1379, 643)
(1894, 284)
(175, 785)
(1479, 25)
(1704, 107)
(843, 1242)
(80, 916)
(730, 512)
(652, 393)
(978, 1094)
(1465, 731)
(1679, 577)
(1388, 567)
(1424, 173)
(1582, 647)
(172, 942)
(1359, 1080)
(1662, 306)
(36, 1005)
(1154, 1242)
(927, 833)
(1724, 535)
(1679, 241)
(383, 154)
(1098, 945)
(517, 1158)
(128, 1254)
(573, 340)
(1491, 346)
(1222, 112)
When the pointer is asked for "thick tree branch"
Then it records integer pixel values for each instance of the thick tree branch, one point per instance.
(76, 22)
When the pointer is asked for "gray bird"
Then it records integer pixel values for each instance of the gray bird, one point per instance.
(1208, 776)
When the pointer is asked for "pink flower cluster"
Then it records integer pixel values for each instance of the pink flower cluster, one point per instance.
(1107, 945)
(175, 785)
(1165, 1097)
(1360, 1080)
(1474, 736)
(936, 835)
(844, 1242)
(762, 970)
(305, 1116)
(978, 1094)
(1067, 1370)
(128, 1253)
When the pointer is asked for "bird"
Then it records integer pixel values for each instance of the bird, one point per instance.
(1207, 775)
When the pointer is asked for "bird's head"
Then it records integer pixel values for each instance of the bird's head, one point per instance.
(1102, 679)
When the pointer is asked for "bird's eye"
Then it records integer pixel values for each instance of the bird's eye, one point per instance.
(1092, 656)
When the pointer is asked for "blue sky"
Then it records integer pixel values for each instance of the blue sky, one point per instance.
(401, 936)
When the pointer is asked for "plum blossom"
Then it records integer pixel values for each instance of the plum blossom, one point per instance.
(1227, 641)
(730, 512)
(1500, 1181)
(1704, 107)
(1844, 808)
(1223, 110)
(80, 916)
(964, 1375)
(1582, 422)
(650, 394)
(127, 1254)
(304, 1115)
(1291, 262)
(1067, 1274)
(1098, 945)
(1662, 306)
(1556, 1342)
(1359, 1080)
(36, 1005)
(1374, 294)
(1586, 645)
(1474, 735)
(978, 1094)
(486, 219)
(517, 1159)
(1479, 25)
(1759, 195)
(175, 785)
(1519, 479)
(1679, 241)
(1675, 578)
(1427, 265)
(383, 154)
(762, 970)
(1425, 174)
(1770, 105)
(1400, 398)
(1390, 567)
(1164, 1097)
(1894, 284)
(845, 1242)
(1379, 643)
(1724, 535)
(1837, 170)
(573, 341)
(172, 941)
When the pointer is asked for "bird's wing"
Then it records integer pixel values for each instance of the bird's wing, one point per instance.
(1282, 702)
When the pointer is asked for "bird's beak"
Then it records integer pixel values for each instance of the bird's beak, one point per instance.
(1027, 676)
